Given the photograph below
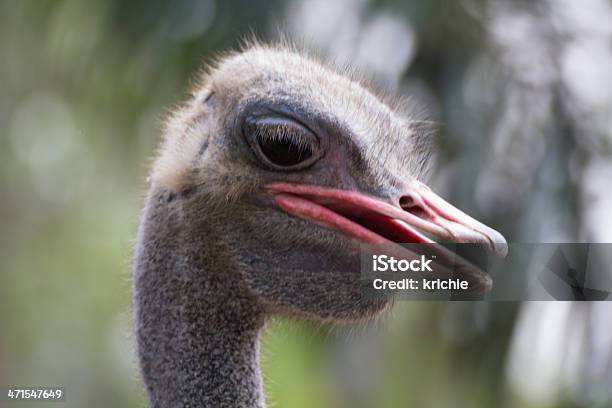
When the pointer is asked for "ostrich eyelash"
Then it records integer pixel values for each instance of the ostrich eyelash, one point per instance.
(286, 134)
(281, 143)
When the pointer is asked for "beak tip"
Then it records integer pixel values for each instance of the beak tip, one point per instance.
(499, 245)
(501, 249)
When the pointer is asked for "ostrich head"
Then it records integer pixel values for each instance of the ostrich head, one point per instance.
(293, 166)
(268, 181)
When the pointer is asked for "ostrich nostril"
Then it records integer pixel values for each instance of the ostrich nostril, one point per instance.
(406, 202)
(409, 204)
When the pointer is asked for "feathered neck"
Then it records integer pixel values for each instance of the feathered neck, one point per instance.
(197, 330)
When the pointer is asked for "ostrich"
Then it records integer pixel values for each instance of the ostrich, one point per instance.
(267, 181)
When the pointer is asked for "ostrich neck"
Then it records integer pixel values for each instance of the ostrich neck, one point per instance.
(197, 331)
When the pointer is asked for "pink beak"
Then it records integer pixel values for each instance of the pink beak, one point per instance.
(373, 221)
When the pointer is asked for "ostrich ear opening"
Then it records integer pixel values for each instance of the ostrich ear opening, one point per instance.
(185, 138)
(205, 96)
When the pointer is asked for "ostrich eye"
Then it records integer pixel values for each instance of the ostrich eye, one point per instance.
(281, 143)
(284, 151)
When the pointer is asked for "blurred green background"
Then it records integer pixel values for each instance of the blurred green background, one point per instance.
(522, 91)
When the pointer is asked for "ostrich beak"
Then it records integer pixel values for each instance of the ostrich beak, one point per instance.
(371, 220)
